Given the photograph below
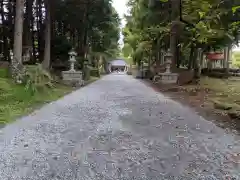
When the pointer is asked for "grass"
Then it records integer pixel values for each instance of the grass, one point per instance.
(223, 93)
(224, 90)
(15, 101)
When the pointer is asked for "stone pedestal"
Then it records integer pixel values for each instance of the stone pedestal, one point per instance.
(73, 78)
(166, 78)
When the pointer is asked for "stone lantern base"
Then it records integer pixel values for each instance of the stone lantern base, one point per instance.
(73, 78)
(166, 78)
(142, 72)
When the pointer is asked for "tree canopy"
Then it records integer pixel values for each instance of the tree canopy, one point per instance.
(206, 24)
(57, 26)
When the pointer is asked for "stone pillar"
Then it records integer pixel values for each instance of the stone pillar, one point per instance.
(168, 61)
(227, 56)
(72, 59)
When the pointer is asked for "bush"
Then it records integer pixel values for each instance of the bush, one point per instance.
(3, 73)
(36, 79)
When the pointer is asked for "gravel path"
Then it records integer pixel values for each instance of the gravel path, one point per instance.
(116, 129)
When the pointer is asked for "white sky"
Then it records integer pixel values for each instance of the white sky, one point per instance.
(120, 6)
(237, 48)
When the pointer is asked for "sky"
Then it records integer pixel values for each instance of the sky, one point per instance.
(121, 8)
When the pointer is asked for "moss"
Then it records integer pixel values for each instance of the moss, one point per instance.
(15, 101)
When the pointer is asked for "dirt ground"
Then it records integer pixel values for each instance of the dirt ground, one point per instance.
(213, 99)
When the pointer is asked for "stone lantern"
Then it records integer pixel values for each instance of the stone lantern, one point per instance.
(72, 77)
(168, 61)
(72, 59)
(167, 77)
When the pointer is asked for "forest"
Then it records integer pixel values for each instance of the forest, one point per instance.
(184, 26)
(43, 31)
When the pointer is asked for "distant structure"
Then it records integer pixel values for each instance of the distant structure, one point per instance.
(118, 65)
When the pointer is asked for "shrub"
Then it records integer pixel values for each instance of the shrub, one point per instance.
(3, 73)
(36, 79)
(95, 72)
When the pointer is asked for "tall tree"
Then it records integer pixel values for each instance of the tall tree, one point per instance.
(47, 49)
(16, 63)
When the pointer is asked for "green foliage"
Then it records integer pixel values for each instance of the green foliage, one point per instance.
(37, 79)
(127, 50)
(61, 47)
(16, 101)
(235, 8)
(92, 25)
(3, 73)
(208, 24)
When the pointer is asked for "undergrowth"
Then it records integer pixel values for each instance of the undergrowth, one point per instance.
(37, 89)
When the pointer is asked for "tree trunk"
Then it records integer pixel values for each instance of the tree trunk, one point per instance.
(40, 29)
(53, 26)
(16, 63)
(227, 54)
(85, 42)
(190, 60)
(27, 23)
(175, 18)
(197, 66)
(5, 43)
(195, 56)
(47, 50)
(27, 33)
(11, 8)
(178, 56)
